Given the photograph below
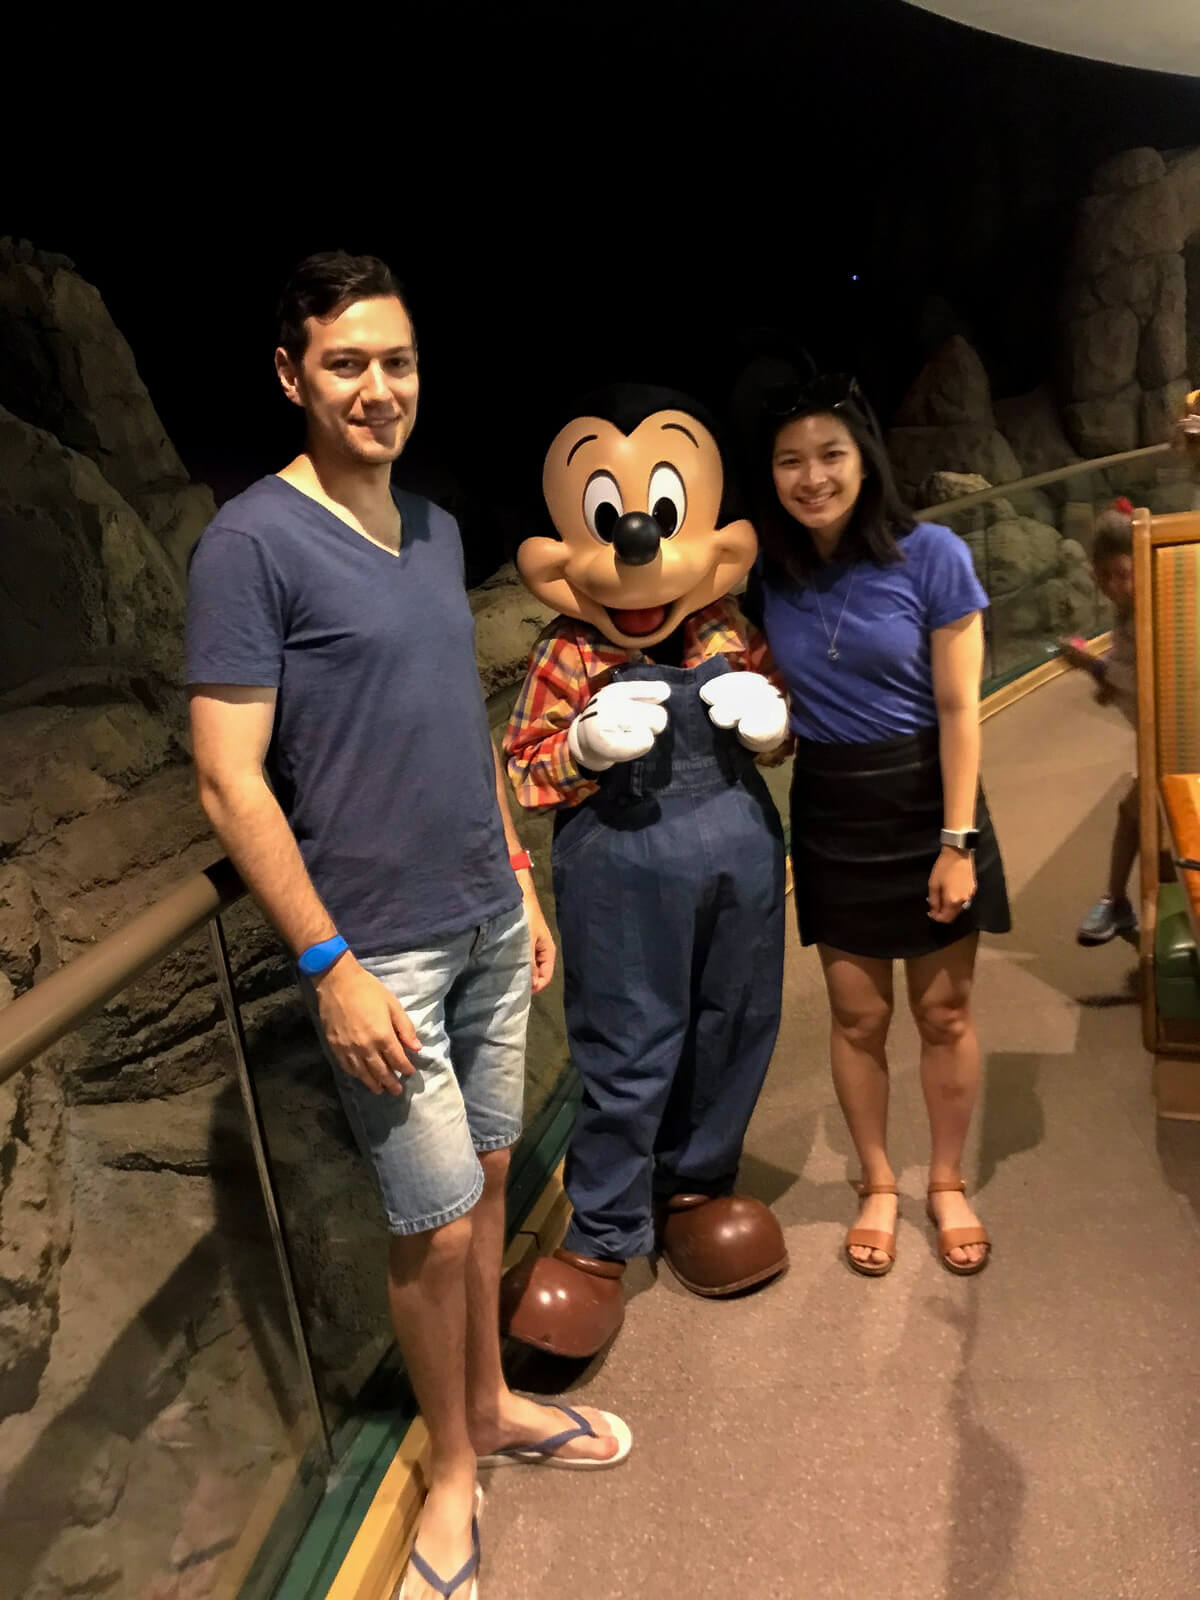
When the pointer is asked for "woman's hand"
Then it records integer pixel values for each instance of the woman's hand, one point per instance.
(951, 884)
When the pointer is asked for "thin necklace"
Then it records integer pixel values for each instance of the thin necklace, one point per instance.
(831, 639)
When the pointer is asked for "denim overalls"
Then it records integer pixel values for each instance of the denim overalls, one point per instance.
(669, 885)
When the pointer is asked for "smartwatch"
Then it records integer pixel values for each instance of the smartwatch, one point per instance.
(961, 838)
(522, 861)
(318, 958)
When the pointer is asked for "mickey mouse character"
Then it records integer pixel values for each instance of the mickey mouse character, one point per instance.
(644, 704)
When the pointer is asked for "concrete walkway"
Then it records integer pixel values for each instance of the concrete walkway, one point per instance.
(1028, 1434)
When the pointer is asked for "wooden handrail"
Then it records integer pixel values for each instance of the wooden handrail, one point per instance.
(52, 1008)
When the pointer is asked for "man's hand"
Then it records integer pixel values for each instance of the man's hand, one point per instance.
(750, 704)
(620, 723)
(367, 1028)
(541, 942)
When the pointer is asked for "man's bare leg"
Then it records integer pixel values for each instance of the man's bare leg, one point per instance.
(428, 1299)
(496, 1416)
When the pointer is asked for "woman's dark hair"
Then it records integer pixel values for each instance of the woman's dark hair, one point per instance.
(880, 515)
(323, 285)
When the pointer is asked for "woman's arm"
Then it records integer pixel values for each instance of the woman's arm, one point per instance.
(956, 658)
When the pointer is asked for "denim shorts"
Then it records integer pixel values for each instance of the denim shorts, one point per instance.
(468, 999)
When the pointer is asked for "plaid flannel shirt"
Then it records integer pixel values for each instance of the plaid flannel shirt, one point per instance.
(571, 662)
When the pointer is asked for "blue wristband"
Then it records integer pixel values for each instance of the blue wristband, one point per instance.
(318, 958)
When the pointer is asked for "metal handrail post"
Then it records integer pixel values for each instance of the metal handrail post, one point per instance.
(237, 1035)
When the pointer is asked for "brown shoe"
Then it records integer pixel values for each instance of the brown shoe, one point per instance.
(873, 1238)
(720, 1245)
(568, 1304)
(955, 1238)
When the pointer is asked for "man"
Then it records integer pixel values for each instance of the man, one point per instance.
(330, 642)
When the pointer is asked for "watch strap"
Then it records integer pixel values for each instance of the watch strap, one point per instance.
(521, 861)
(960, 838)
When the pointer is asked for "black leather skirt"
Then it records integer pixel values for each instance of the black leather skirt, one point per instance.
(866, 820)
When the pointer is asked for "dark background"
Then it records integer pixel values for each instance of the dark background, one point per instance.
(573, 193)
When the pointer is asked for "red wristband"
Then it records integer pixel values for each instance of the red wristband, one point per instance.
(521, 862)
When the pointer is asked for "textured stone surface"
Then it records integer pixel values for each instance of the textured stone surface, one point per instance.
(1145, 221)
(1032, 425)
(1014, 553)
(1129, 170)
(80, 577)
(916, 453)
(1162, 353)
(19, 934)
(951, 388)
(507, 621)
(1104, 427)
(1136, 285)
(35, 1228)
(66, 368)
(1100, 353)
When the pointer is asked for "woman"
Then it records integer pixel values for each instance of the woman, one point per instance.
(876, 624)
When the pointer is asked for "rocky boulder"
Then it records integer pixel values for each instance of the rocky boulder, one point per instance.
(507, 621)
(945, 424)
(81, 579)
(952, 388)
(974, 448)
(1014, 553)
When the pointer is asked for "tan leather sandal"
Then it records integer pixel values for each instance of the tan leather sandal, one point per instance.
(956, 1238)
(873, 1238)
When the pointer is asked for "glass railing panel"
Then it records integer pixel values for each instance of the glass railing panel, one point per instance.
(154, 1427)
(1032, 550)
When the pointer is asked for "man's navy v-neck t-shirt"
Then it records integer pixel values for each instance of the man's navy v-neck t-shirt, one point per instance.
(380, 755)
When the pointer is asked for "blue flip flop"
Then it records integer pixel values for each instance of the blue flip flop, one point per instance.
(542, 1453)
(469, 1569)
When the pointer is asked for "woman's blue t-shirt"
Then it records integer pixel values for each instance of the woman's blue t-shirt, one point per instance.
(880, 618)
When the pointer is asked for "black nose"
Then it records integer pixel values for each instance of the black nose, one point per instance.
(636, 538)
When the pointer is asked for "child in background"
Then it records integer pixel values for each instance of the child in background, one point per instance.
(1116, 679)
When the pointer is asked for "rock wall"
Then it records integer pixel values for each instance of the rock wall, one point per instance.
(1129, 336)
(66, 368)
(1125, 342)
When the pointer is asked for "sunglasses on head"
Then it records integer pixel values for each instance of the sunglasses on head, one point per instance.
(832, 391)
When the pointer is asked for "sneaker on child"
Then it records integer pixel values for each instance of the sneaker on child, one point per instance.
(1106, 919)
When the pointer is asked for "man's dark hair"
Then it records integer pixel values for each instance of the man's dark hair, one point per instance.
(1113, 537)
(880, 515)
(323, 285)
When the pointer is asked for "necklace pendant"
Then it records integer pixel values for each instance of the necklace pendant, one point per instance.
(832, 652)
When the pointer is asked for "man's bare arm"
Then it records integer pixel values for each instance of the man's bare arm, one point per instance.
(367, 1028)
(231, 729)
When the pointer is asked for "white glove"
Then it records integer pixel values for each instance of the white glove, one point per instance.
(619, 724)
(749, 703)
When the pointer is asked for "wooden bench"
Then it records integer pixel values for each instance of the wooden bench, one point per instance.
(1166, 552)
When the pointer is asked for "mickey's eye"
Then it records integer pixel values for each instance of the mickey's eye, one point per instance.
(602, 505)
(667, 498)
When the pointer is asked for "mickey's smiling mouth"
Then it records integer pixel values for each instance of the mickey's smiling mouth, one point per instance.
(638, 622)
